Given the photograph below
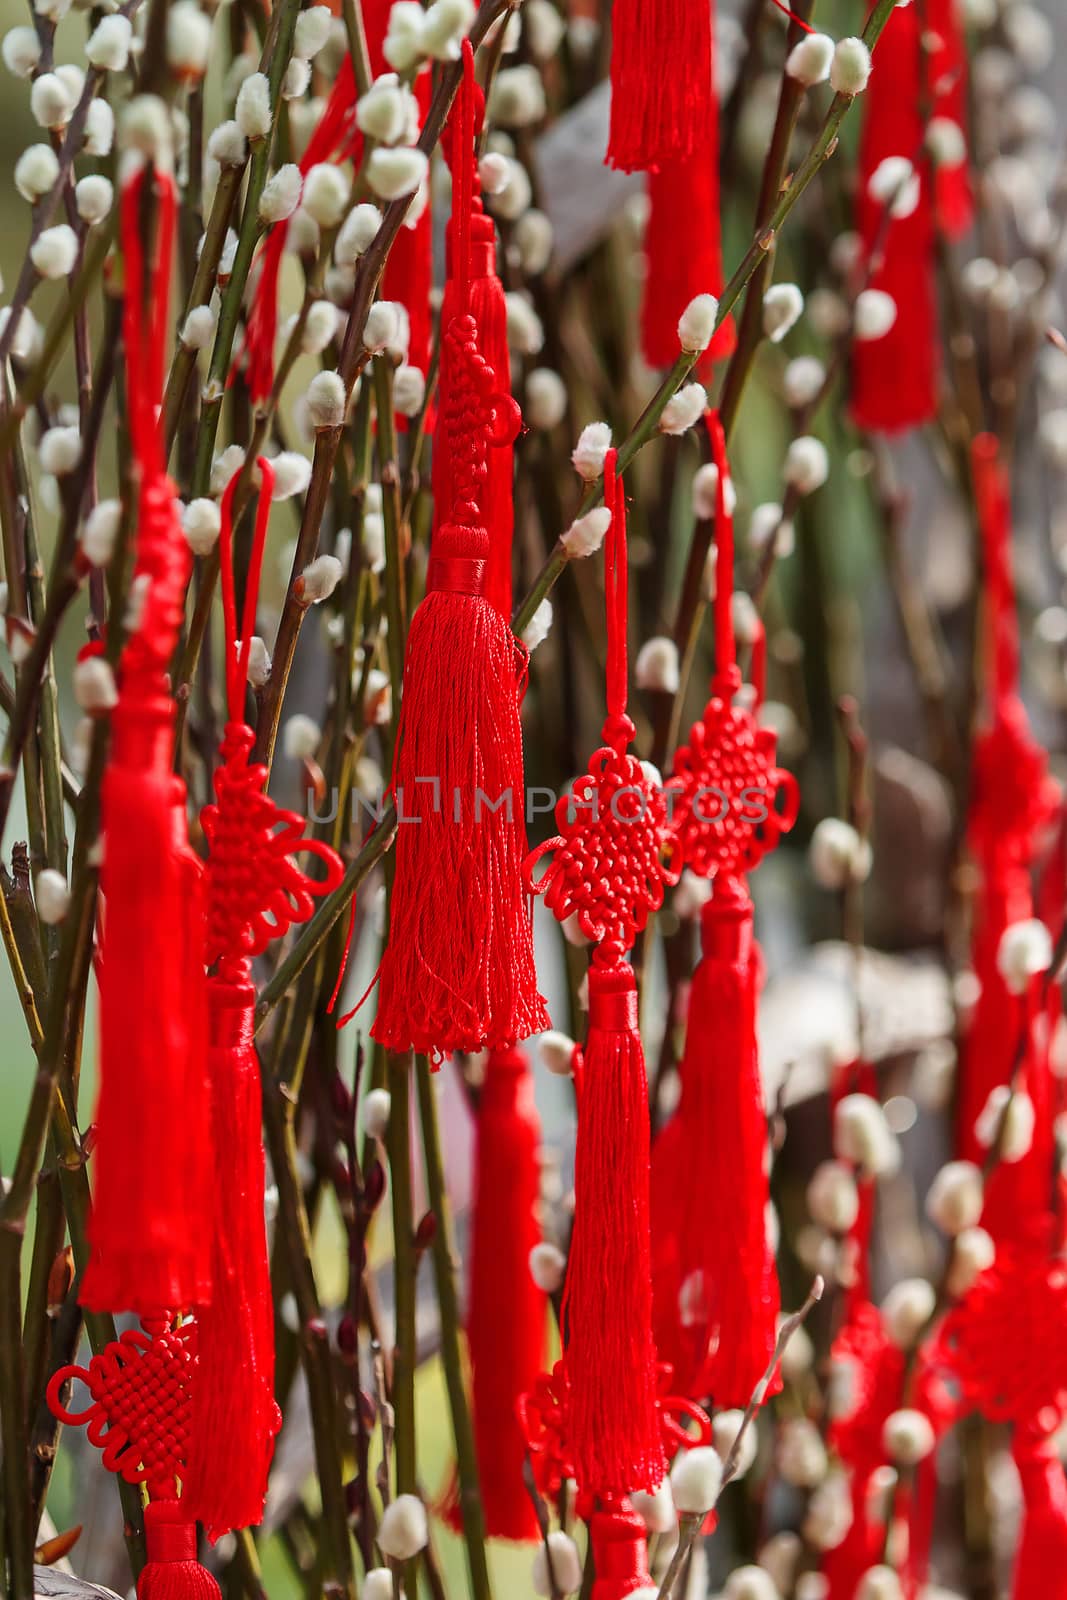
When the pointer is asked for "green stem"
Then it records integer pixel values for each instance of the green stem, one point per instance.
(405, 1354)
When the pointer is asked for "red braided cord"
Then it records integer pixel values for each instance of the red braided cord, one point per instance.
(463, 178)
(617, 602)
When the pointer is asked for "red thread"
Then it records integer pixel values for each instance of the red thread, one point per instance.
(793, 16)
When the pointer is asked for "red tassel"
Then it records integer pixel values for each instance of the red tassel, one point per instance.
(152, 1197)
(715, 1287)
(1041, 1561)
(620, 1551)
(505, 1311)
(172, 1571)
(947, 75)
(458, 972)
(661, 89)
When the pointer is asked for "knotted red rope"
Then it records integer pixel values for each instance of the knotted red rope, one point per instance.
(152, 1193)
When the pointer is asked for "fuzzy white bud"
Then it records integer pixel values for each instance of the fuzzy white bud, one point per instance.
(802, 380)
(544, 28)
(201, 524)
(52, 896)
(311, 32)
(50, 101)
(403, 38)
(801, 1453)
(525, 332)
(566, 1566)
(198, 329)
(382, 112)
(683, 409)
(382, 326)
(946, 142)
(534, 238)
(548, 1267)
(378, 1584)
(833, 1199)
(517, 98)
(188, 39)
(409, 390)
(225, 464)
(493, 173)
(281, 194)
(851, 68)
(357, 233)
(21, 50)
(36, 171)
(301, 737)
(973, 1252)
(875, 313)
(1007, 1120)
(100, 532)
(725, 1427)
(252, 111)
(259, 662)
(588, 455)
(443, 27)
(656, 1510)
(895, 183)
(55, 251)
(908, 1437)
(1025, 949)
(148, 129)
(862, 1135)
(94, 685)
(750, 1583)
(829, 1515)
(807, 464)
(706, 493)
(108, 46)
(782, 306)
(292, 474)
(99, 128)
(696, 325)
(546, 398)
(93, 198)
(656, 666)
(392, 173)
(325, 194)
(954, 1199)
(403, 1530)
(60, 450)
(537, 629)
(516, 195)
(377, 1104)
(586, 534)
(906, 1310)
(556, 1052)
(696, 1479)
(837, 853)
(809, 62)
(326, 400)
(319, 579)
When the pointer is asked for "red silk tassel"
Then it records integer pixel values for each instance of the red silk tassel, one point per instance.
(620, 1551)
(152, 1194)
(716, 1290)
(947, 76)
(505, 1310)
(894, 378)
(458, 971)
(172, 1571)
(661, 88)
(1041, 1561)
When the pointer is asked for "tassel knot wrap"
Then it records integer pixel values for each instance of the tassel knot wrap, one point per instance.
(458, 970)
(152, 1169)
(620, 1551)
(609, 864)
(256, 892)
(715, 1288)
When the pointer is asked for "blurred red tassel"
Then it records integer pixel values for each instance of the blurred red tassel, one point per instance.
(1041, 1560)
(172, 1571)
(661, 88)
(947, 75)
(683, 254)
(152, 1193)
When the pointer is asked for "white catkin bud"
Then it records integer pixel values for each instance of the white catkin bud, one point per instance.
(301, 737)
(493, 173)
(544, 28)
(908, 1437)
(21, 50)
(517, 98)
(802, 380)
(147, 129)
(546, 398)
(292, 474)
(325, 194)
(586, 534)
(36, 171)
(297, 77)
(1025, 949)
(403, 1530)
(809, 62)
(683, 409)
(972, 1253)
(50, 101)
(587, 457)
(1007, 1120)
(382, 326)
(837, 854)
(319, 579)
(851, 67)
(94, 685)
(566, 1566)
(252, 111)
(108, 46)
(403, 38)
(378, 1584)
(198, 329)
(906, 1310)
(696, 1479)
(725, 1427)
(55, 251)
(548, 1267)
(807, 464)
(537, 629)
(556, 1052)
(706, 493)
(201, 523)
(326, 400)
(696, 325)
(357, 233)
(392, 173)
(375, 1113)
(281, 194)
(778, 1557)
(782, 306)
(225, 464)
(833, 1199)
(954, 1199)
(656, 1510)
(533, 239)
(525, 332)
(73, 80)
(513, 199)
(381, 113)
(874, 314)
(750, 1583)
(656, 666)
(99, 128)
(52, 896)
(311, 32)
(801, 1453)
(895, 183)
(946, 142)
(862, 1136)
(60, 451)
(879, 1583)
(409, 390)
(188, 39)
(691, 896)
(93, 198)
(320, 326)
(258, 661)
(829, 1516)
(443, 27)
(100, 532)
